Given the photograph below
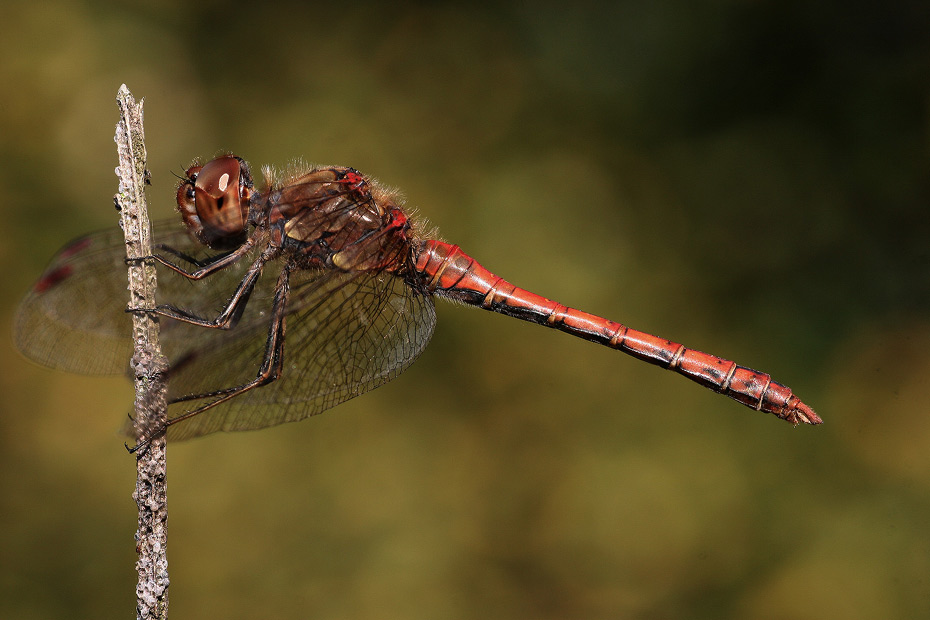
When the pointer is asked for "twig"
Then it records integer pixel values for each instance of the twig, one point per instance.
(148, 366)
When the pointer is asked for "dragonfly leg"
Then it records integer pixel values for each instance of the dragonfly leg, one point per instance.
(204, 262)
(231, 313)
(272, 362)
(205, 267)
(183, 256)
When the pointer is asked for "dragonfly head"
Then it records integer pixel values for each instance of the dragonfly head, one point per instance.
(213, 200)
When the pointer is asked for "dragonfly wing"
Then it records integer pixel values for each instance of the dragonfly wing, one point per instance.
(75, 318)
(346, 333)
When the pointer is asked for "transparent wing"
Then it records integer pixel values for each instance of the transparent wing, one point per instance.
(346, 333)
(75, 318)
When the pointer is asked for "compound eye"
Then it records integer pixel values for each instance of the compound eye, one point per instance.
(214, 201)
(186, 203)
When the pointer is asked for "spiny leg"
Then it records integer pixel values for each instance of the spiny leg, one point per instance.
(272, 362)
(231, 312)
(205, 267)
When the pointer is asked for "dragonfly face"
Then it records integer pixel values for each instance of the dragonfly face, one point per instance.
(214, 201)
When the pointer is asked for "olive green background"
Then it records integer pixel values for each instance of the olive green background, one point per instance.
(749, 178)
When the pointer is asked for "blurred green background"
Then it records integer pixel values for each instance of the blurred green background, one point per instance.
(750, 178)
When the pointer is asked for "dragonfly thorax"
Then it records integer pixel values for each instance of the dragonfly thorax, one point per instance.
(337, 216)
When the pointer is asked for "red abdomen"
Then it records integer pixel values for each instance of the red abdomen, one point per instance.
(449, 272)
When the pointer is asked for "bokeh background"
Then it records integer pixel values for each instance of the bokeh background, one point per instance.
(748, 177)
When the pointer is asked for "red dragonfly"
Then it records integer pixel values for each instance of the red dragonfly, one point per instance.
(288, 301)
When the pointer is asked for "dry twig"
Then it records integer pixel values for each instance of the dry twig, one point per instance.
(148, 365)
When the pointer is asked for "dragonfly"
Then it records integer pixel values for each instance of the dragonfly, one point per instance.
(284, 301)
